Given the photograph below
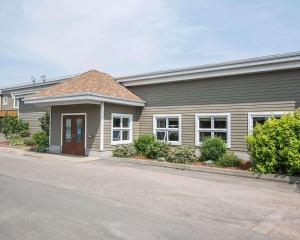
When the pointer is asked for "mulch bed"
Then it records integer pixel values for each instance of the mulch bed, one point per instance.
(245, 165)
(4, 143)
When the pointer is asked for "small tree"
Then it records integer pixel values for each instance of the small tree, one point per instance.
(44, 123)
(143, 143)
(212, 149)
(274, 146)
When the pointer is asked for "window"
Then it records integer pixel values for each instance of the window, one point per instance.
(16, 102)
(5, 100)
(167, 128)
(260, 117)
(121, 129)
(212, 125)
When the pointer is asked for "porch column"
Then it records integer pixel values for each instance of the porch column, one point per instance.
(102, 126)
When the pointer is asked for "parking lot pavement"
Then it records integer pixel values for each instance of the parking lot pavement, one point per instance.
(42, 198)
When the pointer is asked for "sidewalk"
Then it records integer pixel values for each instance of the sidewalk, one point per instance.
(26, 152)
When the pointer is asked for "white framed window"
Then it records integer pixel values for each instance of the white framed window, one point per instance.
(212, 125)
(167, 127)
(121, 128)
(5, 100)
(16, 102)
(260, 117)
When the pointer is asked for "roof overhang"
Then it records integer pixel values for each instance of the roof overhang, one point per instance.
(247, 66)
(49, 81)
(81, 98)
(23, 94)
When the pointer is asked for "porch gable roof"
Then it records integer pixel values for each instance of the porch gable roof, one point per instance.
(89, 86)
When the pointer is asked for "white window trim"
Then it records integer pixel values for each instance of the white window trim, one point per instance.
(261, 114)
(16, 101)
(166, 129)
(227, 115)
(121, 115)
(62, 125)
(5, 101)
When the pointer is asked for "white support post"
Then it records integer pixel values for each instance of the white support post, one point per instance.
(102, 126)
(50, 126)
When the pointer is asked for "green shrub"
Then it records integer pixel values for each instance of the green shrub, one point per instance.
(40, 149)
(44, 122)
(14, 126)
(228, 160)
(15, 140)
(158, 150)
(29, 142)
(124, 151)
(212, 149)
(274, 147)
(143, 143)
(41, 139)
(181, 154)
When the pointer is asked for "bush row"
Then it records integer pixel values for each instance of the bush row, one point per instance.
(146, 145)
(17, 132)
(12, 126)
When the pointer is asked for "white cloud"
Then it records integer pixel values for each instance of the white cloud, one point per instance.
(56, 37)
(107, 35)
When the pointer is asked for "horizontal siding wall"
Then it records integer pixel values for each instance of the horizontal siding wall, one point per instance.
(10, 102)
(9, 94)
(278, 91)
(238, 112)
(31, 113)
(113, 108)
(93, 123)
(267, 87)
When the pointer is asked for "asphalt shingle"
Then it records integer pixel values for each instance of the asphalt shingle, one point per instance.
(89, 82)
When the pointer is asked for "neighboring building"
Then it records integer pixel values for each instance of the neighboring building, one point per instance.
(92, 112)
(12, 103)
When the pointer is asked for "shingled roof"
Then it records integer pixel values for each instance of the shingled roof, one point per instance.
(92, 82)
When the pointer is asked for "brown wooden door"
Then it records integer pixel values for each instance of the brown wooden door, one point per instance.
(74, 135)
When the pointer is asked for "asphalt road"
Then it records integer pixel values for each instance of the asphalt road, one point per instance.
(106, 199)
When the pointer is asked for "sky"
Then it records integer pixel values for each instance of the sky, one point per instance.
(123, 37)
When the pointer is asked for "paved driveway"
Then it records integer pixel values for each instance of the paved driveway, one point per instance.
(42, 198)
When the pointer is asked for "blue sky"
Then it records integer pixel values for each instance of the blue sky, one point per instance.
(62, 37)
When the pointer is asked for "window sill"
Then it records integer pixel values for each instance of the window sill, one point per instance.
(120, 143)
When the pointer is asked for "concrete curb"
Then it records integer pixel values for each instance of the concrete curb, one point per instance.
(214, 170)
(24, 152)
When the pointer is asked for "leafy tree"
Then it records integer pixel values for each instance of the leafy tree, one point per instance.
(44, 122)
(274, 146)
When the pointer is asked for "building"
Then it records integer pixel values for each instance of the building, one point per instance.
(92, 112)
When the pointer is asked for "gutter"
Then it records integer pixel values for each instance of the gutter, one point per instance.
(83, 97)
(49, 81)
(246, 66)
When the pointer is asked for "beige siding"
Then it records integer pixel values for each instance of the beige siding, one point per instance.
(112, 108)
(238, 112)
(93, 123)
(10, 104)
(236, 95)
(31, 113)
